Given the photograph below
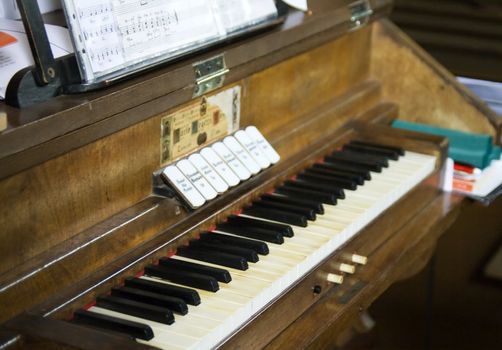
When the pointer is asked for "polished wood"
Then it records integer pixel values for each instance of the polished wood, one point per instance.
(425, 91)
(50, 129)
(78, 214)
(54, 334)
(75, 191)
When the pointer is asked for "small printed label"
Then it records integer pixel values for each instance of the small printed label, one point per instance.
(229, 158)
(183, 186)
(197, 179)
(242, 154)
(220, 166)
(199, 123)
(252, 148)
(208, 172)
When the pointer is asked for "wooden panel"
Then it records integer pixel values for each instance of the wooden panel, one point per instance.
(425, 91)
(308, 81)
(52, 202)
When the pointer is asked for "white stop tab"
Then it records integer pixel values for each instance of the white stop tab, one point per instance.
(208, 172)
(196, 178)
(220, 166)
(252, 148)
(263, 144)
(232, 161)
(242, 154)
(174, 177)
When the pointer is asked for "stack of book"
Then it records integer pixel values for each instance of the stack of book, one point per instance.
(475, 164)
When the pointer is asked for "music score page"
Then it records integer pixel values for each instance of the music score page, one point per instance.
(113, 36)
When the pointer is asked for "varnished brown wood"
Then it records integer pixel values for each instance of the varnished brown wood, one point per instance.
(84, 218)
(425, 91)
(55, 334)
(160, 90)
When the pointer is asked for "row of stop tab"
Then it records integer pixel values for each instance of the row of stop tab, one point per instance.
(204, 175)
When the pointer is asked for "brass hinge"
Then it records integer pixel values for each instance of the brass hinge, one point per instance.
(209, 75)
(360, 14)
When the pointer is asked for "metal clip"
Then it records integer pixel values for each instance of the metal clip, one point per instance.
(360, 13)
(209, 75)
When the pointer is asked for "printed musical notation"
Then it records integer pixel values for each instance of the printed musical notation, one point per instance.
(111, 35)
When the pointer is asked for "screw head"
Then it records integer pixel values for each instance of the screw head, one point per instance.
(51, 72)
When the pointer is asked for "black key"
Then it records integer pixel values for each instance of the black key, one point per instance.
(303, 193)
(290, 208)
(114, 324)
(364, 157)
(312, 186)
(258, 246)
(399, 150)
(252, 232)
(285, 230)
(207, 255)
(136, 308)
(358, 179)
(277, 215)
(372, 150)
(190, 279)
(347, 164)
(316, 206)
(249, 254)
(327, 180)
(221, 275)
(357, 158)
(366, 175)
(175, 304)
(190, 296)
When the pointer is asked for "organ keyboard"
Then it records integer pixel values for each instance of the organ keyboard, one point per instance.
(96, 254)
(232, 282)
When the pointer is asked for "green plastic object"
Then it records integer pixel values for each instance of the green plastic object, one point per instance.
(474, 149)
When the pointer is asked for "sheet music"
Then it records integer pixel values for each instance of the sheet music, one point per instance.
(236, 14)
(18, 54)
(112, 35)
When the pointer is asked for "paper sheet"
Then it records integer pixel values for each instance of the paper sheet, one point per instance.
(18, 55)
(298, 4)
(113, 37)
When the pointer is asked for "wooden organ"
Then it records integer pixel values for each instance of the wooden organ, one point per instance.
(80, 213)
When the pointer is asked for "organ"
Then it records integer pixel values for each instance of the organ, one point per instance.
(85, 218)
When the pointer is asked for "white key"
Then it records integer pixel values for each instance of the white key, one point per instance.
(235, 164)
(220, 166)
(208, 172)
(242, 154)
(263, 144)
(196, 178)
(252, 148)
(183, 186)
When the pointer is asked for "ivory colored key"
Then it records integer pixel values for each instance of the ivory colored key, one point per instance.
(347, 268)
(208, 172)
(263, 144)
(235, 164)
(220, 166)
(253, 148)
(196, 178)
(162, 335)
(183, 186)
(358, 259)
(242, 154)
(334, 278)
